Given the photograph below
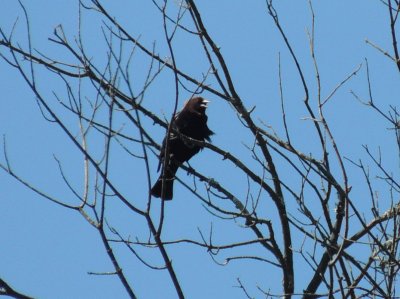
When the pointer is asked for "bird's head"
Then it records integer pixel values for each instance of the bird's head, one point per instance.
(197, 105)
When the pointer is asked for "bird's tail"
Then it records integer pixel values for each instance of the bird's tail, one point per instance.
(164, 187)
(165, 191)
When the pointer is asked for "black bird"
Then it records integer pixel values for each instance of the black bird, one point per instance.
(191, 121)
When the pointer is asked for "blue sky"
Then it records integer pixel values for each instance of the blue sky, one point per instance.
(47, 251)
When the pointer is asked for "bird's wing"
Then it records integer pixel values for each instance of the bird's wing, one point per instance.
(172, 137)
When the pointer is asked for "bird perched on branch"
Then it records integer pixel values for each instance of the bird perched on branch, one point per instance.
(191, 121)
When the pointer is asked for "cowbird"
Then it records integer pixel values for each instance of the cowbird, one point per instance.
(191, 121)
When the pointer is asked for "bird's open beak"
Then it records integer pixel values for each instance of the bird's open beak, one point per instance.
(204, 103)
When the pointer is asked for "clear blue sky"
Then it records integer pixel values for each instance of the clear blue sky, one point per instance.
(46, 251)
